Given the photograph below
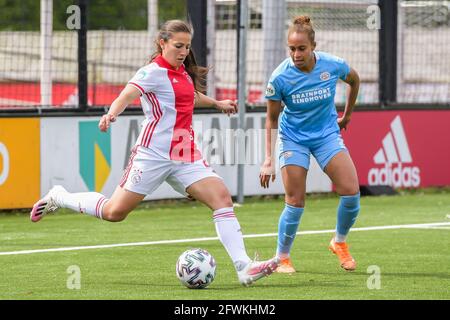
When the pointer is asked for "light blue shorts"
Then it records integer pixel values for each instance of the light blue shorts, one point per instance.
(292, 153)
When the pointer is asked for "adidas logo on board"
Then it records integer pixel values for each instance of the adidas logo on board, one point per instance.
(396, 158)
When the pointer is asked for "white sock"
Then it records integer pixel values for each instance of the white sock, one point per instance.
(90, 203)
(340, 237)
(229, 232)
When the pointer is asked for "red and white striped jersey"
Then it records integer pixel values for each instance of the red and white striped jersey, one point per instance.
(167, 99)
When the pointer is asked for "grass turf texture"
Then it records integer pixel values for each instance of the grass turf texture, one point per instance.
(414, 263)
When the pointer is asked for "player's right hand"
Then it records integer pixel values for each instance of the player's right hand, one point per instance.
(267, 173)
(105, 121)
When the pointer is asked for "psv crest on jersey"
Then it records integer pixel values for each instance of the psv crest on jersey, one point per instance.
(324, 76)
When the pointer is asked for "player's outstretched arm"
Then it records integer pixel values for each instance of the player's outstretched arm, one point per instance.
(226, 106)
(267, 171)
(352, 93)
(127, 96)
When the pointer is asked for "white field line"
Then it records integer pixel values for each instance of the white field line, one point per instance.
(439, 228)
(133, 244)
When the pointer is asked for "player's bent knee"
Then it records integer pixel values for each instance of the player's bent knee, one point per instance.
(114, 215)
(228, 204)
(224, 197)
(225, 201)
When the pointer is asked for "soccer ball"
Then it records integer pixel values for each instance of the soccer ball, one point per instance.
(196, 268)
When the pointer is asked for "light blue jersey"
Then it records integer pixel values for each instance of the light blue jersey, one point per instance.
(309, 113)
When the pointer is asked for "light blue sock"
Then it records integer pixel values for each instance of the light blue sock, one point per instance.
(346, 215)
(287, 228)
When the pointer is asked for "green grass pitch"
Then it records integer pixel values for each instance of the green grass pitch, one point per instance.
(413, 263)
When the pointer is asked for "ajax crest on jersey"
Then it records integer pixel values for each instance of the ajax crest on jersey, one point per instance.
(196, 268)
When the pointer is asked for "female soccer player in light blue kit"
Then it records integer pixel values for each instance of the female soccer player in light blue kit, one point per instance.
(306, 84)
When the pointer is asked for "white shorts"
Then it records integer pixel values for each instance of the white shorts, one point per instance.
(146, 171)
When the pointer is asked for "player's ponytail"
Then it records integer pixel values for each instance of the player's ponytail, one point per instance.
(196, 72)
(303, 24)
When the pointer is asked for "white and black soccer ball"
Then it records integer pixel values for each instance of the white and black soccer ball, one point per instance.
(196, 268)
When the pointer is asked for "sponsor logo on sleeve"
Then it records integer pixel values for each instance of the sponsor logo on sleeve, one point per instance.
(141, 75)
(270, 90)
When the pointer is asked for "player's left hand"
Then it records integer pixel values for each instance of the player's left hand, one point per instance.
(227, 106)
(105, 121)
(267, 173)
(343, 122)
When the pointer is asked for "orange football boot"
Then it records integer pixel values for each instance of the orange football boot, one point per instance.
(285, 266)
(341, 250)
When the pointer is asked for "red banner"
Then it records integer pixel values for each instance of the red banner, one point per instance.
(28, 94)
(400, 148)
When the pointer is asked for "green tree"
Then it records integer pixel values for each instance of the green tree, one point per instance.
(24, 15)
(19, 15)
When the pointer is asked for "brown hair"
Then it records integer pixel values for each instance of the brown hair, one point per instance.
(303, 24)
(197, 73)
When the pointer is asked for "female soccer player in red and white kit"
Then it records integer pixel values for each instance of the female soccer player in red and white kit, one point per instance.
(169, 88)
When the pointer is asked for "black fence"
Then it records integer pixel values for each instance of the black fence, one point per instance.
(403, 57)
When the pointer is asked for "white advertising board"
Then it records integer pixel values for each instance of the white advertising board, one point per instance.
(75, 154)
